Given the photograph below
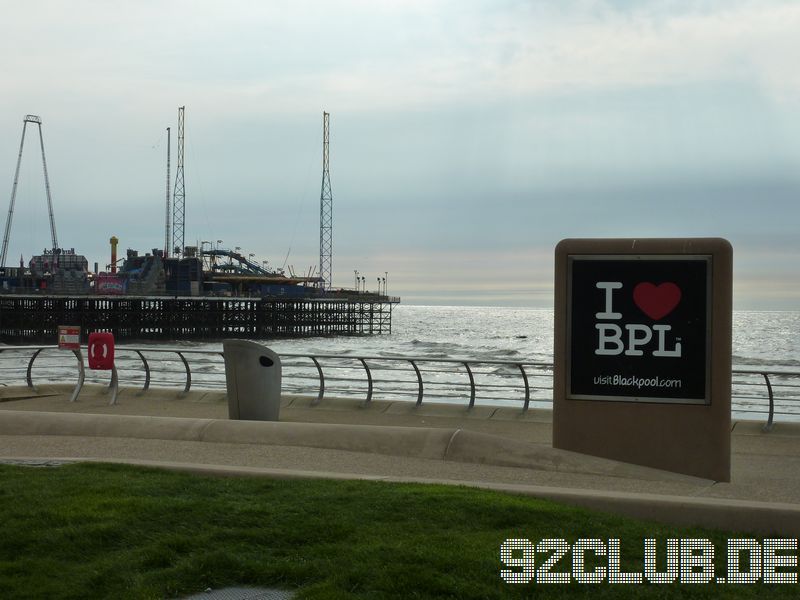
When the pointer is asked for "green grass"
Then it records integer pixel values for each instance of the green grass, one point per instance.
(112, 531)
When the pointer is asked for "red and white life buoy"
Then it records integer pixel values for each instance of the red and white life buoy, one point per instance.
(101, 351)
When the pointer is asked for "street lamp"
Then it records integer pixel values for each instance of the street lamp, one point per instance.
(356, 272)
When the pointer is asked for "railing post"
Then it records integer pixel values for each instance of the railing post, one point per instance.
(321, 382)
(188, 373)
(471, 385)
(419, 382)
(30, 368)
(114, 385)
(768, 427)
(81, 376)
(369, 381)
(146, 371)
(527, 387)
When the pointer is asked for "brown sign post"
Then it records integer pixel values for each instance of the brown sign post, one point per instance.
(643, 352)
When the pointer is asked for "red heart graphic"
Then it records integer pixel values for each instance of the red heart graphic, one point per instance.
(656, 301)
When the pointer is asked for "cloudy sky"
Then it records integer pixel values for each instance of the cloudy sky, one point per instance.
(467, 137)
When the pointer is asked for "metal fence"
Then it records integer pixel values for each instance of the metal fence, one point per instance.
(767, 394)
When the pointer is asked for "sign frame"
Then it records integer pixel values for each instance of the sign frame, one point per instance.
(685, 437)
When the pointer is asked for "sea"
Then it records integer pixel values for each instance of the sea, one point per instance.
(762, 341)
(767, 340)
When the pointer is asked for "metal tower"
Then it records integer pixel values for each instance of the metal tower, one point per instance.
(179, 195)
(325, 211)
(38, 121)
(166, 234)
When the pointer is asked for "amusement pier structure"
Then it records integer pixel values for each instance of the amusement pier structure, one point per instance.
(181, 292)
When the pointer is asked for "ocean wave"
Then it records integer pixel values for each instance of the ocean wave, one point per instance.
(754, 361)
(503, 352)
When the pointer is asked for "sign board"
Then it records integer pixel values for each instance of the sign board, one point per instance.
(643, 352)
(637, 328)
(69, 337)
(110, 285)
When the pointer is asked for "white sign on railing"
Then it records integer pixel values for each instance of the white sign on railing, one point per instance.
(69, 337)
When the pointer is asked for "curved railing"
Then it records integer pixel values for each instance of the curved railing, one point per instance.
(517, 383)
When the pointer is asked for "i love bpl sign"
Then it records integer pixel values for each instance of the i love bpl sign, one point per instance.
(642, 354)
(638, 328)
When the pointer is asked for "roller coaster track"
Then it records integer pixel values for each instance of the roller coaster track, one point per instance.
(245, 266)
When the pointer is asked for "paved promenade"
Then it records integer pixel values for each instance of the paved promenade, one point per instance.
(495, 448)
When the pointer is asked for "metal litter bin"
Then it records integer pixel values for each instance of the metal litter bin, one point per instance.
(253, 379)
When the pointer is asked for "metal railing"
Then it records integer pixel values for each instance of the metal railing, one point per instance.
(515, 383)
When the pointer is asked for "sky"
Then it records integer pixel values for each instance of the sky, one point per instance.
(466, 137)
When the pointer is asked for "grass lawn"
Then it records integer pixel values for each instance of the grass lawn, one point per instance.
(112, 531)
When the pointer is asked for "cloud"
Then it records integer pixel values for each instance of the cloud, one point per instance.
(466, 136)
(586, 46)
(476, 54)
(268, 57)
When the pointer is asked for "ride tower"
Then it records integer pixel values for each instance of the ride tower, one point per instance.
(38, 121)
(167, 221)
(179, 195)
(326, 211)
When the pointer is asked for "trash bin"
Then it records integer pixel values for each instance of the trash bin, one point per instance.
(253, 379)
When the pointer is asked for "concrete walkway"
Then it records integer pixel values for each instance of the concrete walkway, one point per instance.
(487, 447)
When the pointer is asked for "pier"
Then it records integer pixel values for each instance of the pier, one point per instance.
(33, 318)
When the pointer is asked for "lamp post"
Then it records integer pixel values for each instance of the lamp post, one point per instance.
(356, 272)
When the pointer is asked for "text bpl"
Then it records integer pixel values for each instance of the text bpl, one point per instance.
(612, 342)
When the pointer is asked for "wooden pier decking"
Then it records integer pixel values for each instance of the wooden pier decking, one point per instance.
(29, 319)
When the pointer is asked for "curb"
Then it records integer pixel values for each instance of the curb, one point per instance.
(448, 444)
